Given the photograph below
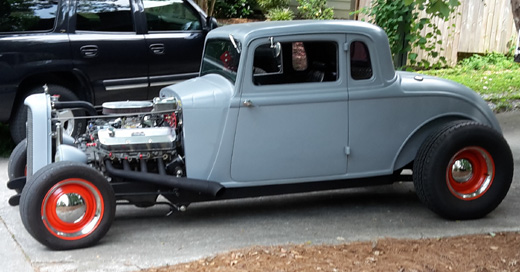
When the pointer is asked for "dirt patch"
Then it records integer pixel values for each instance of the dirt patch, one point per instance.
(472, 253)
(232, 21)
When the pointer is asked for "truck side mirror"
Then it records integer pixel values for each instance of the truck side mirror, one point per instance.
(211, 23)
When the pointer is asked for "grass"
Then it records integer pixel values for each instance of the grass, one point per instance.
(495, 77)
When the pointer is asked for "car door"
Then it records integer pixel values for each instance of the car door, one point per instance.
(293, 119)
(175, 39)
(108, 51)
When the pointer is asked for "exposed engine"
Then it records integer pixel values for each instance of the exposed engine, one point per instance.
(136, 135)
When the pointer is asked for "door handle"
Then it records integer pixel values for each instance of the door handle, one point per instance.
(89, 51)
(157, 48)
(247, 103)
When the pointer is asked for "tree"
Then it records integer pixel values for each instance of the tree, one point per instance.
(401, 21)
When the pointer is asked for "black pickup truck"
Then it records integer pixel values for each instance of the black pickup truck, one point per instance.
(95, 50)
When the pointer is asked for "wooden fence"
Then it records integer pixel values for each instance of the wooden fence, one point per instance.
(481, 26)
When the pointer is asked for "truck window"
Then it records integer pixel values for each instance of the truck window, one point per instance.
(167, 15)
(18, 16)
(104, 15)
(298, 62)
(360, 65)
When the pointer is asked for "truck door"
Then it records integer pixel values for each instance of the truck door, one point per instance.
(175, 40)
(293, 118)
(108, 51)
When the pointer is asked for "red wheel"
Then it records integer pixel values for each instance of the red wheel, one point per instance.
(470, 173)
(72, 209)
(463, 171)
(67, 205)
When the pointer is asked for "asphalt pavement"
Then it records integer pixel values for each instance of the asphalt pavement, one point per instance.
(146, 237)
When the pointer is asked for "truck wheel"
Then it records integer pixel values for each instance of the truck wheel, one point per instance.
(19, 117)
(463, 171)
(17, 166)
(67, 205)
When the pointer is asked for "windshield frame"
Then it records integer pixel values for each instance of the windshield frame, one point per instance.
(221, 57)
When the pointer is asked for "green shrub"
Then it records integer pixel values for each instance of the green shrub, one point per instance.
(280, 14)
(314, 9)
(495, 60)
(268, 5)
(233, 8)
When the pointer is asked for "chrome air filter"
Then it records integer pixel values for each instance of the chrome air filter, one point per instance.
(127, 107)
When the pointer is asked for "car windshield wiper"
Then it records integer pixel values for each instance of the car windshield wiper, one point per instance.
(232, 39)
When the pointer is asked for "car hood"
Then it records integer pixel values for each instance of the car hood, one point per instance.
(208, 91)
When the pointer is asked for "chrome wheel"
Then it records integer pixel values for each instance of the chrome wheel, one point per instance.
(72, 209)
(470, 173)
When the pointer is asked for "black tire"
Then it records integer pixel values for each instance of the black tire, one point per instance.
(463, 171)
(17, 165)
(19, 116)
(87, 222)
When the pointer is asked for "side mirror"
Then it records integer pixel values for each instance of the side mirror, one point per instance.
(211, 23)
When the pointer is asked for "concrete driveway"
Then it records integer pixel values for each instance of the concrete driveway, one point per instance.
(143, 238)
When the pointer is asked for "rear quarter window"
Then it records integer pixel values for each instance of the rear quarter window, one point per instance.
(360, 64)
(23, 15)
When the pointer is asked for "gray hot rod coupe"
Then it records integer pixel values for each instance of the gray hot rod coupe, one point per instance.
(278, 107)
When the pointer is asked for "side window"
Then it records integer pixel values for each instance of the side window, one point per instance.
(104, 15)
(360, 65)
(18, 16)
(295, 62)
(164, 15)
(268, 60)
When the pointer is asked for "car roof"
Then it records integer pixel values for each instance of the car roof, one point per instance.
(246, 33)
(250, 31)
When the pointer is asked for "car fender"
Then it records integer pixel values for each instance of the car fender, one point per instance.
(206, 104)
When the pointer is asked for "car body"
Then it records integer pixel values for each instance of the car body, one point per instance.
(96, 51)
(279, 107)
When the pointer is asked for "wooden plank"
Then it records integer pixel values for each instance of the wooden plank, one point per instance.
(482, 26)
(466, 24)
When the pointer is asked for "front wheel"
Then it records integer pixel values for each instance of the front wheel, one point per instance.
(463, 171)
(67, 205)
(17, 166)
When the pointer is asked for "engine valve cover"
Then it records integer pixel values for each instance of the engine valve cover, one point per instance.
(137, 139)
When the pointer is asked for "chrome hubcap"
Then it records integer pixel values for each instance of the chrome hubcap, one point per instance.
(71, 208)
(462, 170)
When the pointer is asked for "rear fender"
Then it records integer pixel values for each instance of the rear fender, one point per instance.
(411, 146)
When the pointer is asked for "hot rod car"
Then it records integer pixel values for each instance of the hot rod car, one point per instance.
(278, 107)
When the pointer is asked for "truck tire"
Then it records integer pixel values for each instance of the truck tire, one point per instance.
(463, 171)
(67, 205)
(17, 166)
(19, 116)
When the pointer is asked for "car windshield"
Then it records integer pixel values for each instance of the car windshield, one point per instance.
(221, 56)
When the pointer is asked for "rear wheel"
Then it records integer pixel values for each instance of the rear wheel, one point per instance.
(463, 171)
(67, 205)
(19, 117)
